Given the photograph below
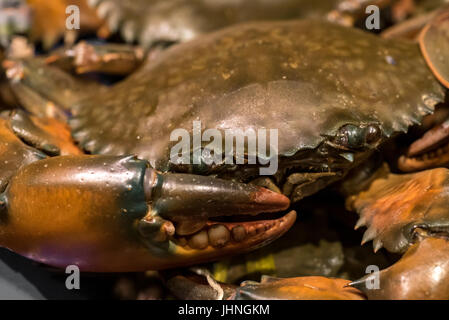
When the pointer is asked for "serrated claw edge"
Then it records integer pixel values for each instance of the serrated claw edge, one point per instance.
(377, 244)
(360, 223)
(369, 235)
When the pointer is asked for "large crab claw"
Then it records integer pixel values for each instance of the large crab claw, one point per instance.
(115, 214)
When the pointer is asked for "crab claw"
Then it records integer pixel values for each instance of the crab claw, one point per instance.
(186, 197)
(115, 214)
(394, 206)
(430, 151)
(29, 82)
(422, 273)
(302, 288)
(211, 216)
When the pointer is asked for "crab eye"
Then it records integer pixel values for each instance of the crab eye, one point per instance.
(350, 136)
(373, 134)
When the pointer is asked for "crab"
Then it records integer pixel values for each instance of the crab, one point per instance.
(154, 21)
(115, 201)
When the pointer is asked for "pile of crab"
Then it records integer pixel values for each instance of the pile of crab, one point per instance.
(88, 126)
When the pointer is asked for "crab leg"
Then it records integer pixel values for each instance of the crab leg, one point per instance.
(190, 286)
(408, 213)
(107, 213)
(30, 83)
(301, 288)
(187, 285)
(108, 58)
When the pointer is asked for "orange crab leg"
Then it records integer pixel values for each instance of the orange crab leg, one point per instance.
(193, 287)
(302, 288)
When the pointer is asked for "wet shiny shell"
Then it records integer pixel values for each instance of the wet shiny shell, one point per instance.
(305, 78)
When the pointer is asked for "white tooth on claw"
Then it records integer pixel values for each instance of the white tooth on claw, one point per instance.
(219, 235)
(199, 240)
(238, 233)
(369, 235)
(377, 245)
(360, 223)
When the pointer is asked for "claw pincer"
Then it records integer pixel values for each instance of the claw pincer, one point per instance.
(115, 213)
(408, 214)
(422, 273)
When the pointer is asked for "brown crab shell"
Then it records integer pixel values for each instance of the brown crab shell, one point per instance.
(304, 78)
